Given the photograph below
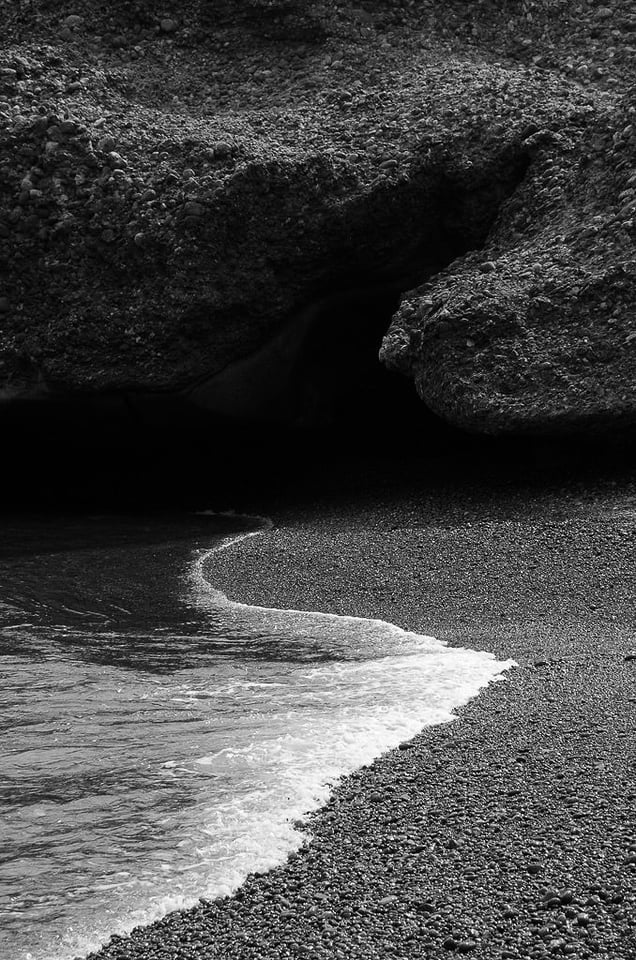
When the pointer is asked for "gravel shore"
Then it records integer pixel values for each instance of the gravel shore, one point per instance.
(508, 833)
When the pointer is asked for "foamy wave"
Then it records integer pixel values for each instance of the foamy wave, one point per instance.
(344, 691)
(343, 715)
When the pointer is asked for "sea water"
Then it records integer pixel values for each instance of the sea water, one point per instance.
(160, 741)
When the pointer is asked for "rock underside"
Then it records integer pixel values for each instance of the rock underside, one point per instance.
(177, 185)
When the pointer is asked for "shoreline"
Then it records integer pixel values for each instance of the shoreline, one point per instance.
(506, 833)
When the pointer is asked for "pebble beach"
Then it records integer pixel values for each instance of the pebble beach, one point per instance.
(508, 833)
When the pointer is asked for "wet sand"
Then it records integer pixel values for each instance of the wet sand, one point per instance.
(510, 833)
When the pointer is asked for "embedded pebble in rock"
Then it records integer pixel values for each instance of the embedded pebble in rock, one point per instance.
(221, 149)
(73, 21)
(107, 144)
(193, 209)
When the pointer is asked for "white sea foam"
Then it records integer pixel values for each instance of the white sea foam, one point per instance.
(325, 720)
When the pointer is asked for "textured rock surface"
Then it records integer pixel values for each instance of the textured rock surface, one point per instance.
(174, 184)
(536, 332)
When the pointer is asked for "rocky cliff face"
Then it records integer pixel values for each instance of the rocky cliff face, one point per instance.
(175, 189)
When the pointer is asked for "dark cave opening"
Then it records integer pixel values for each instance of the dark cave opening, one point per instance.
(138, 450)
(160, 452)
(339, 384)
(320, 377)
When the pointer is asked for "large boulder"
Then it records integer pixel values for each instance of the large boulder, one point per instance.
(536, 332)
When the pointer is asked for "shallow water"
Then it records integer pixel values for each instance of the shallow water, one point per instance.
(158, 740)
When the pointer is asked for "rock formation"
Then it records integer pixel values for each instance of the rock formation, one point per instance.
(177, 186)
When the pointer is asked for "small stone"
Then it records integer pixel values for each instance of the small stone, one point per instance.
(465, 946)
(582, 919)
(193, 209)
(108, 235)
(425, 906)
(534, 868)
(116, 161)
(487, 266)
(604, 13)
(168, 25)
(73, 21)
(221, 149)
(107, 144)
(449, 943)
(74, 86)
(549, 894)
